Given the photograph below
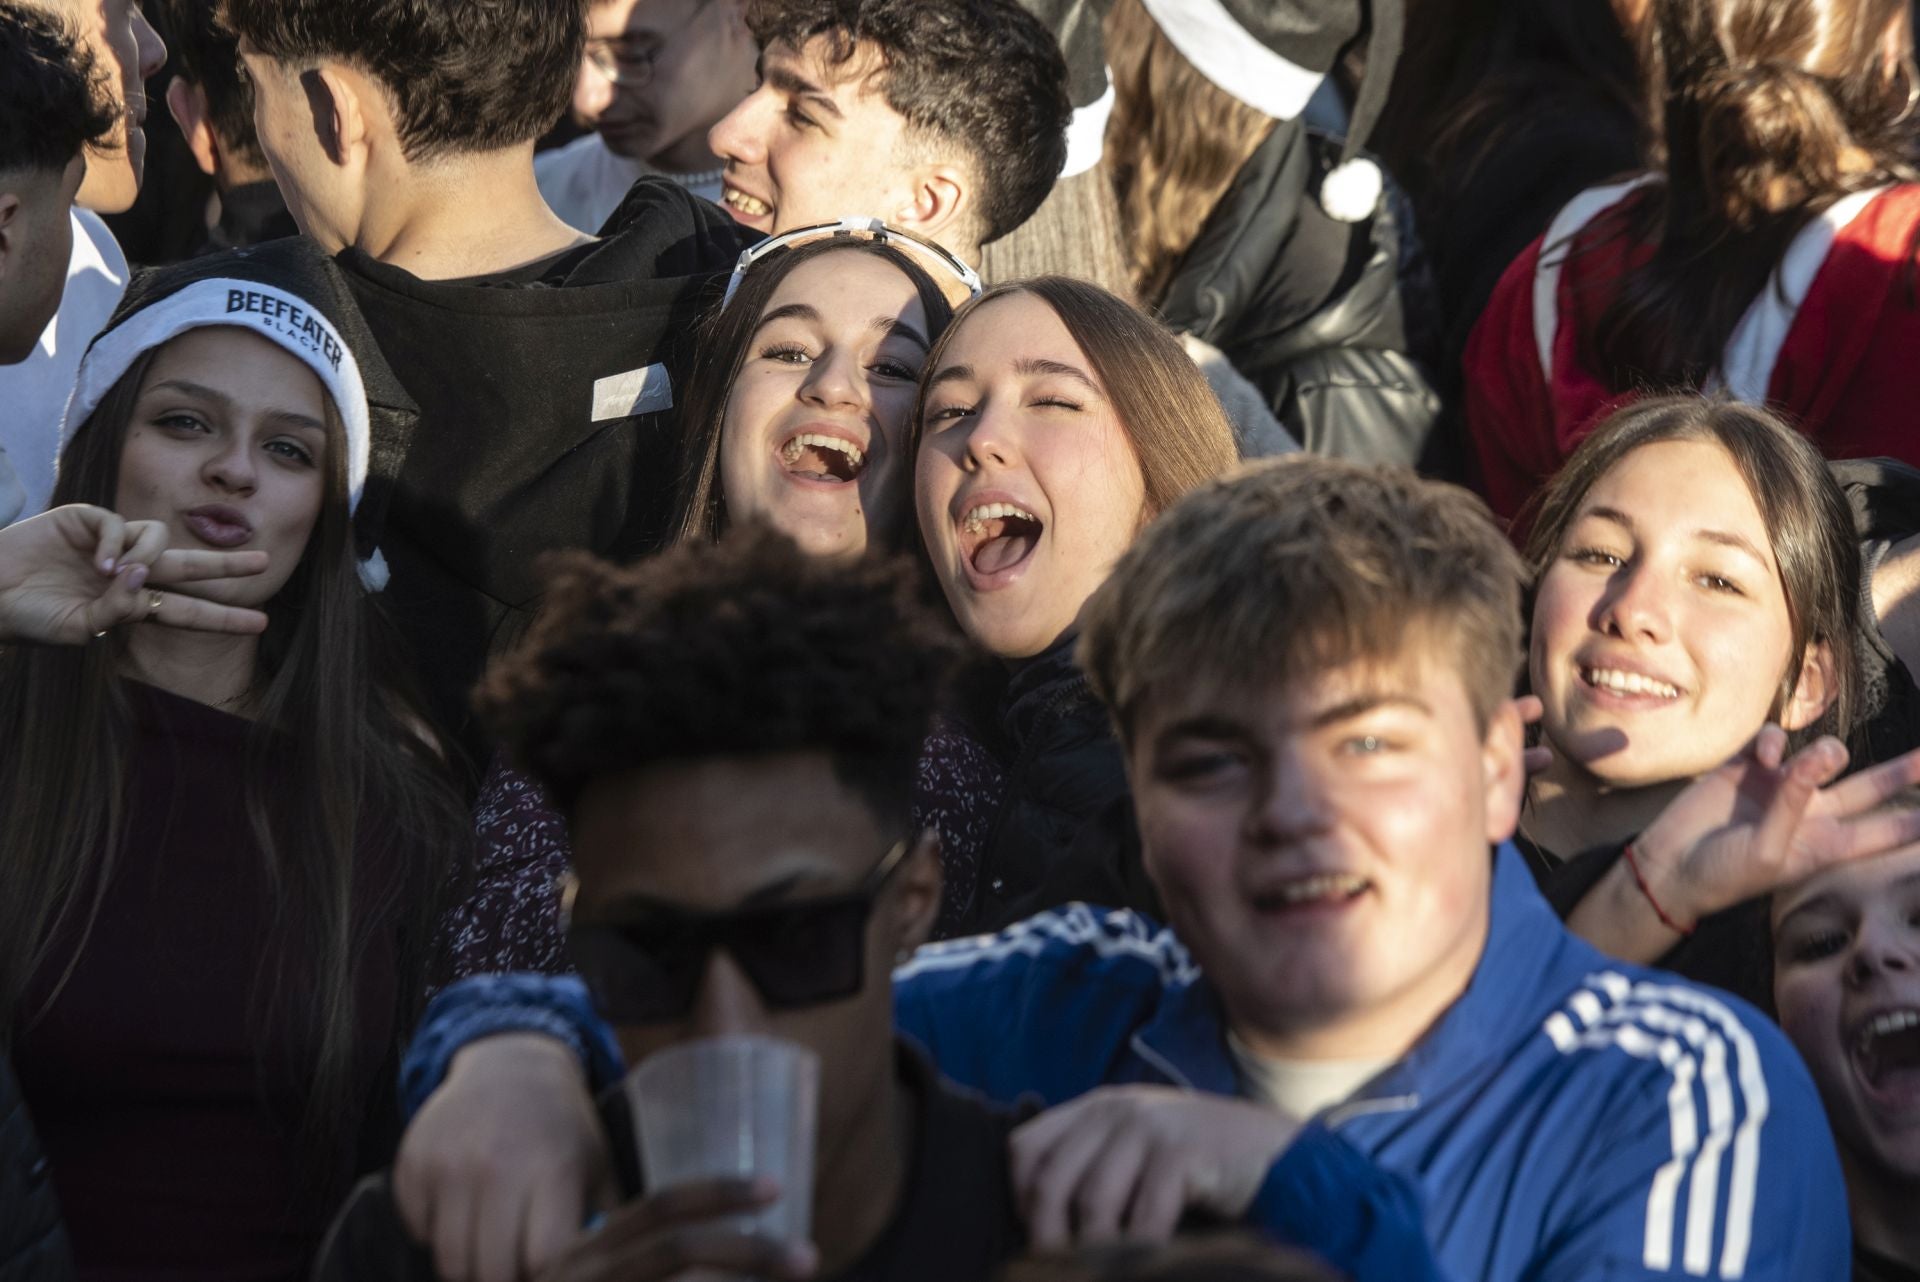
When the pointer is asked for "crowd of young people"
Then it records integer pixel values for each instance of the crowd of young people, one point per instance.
(588, 526)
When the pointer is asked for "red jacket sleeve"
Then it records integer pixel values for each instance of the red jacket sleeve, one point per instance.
(1509, 408)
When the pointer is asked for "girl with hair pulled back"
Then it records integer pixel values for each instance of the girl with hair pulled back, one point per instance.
(1766, 251)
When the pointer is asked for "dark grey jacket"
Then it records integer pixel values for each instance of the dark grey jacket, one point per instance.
(1328, 319)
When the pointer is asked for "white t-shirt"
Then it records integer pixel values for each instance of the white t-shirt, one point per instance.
(33, 394)
(584, 181)
(1300, 1088)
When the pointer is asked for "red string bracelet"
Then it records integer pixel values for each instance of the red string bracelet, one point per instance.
(1633, 866)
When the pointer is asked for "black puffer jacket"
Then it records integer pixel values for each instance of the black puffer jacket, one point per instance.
(1064, 771)
(1328, 319)
(33, 1241)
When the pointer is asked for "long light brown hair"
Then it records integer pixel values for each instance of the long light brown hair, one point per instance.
(1763, 113)
(1180, 435)
(321, 712)
(1174, 145)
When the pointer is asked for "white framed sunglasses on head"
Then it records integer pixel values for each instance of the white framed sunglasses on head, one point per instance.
(850, 228)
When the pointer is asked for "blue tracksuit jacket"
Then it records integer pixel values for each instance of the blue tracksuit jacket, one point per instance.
(1569, 1119)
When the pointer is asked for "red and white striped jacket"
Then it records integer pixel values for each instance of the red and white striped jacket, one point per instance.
(1833, 341)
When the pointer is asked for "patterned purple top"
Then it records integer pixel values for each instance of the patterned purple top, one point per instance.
(511, 921)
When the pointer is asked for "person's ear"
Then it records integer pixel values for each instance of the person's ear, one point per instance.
(1503, 757)
(1814, 689)
(938, 201)
(188, 105)
(342, 111)
(915, 897)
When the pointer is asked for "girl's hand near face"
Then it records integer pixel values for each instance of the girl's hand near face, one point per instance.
(76, 571)
(1758, 823)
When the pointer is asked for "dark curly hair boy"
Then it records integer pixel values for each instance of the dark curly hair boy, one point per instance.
(738, 648)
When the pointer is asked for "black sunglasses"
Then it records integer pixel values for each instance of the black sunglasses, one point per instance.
(648, 966)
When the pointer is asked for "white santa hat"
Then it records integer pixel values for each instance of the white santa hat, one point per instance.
(1274, 54)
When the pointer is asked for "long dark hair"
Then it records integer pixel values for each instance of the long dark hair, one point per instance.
(1762, 114)
(724, 340)
(1809, 528)
(1473, 71)
(322, 712)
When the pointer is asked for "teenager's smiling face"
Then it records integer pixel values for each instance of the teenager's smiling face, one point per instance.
(813, 441)
(1660, 628)
(1322, 848)
(1847, 986)
(1027, 486)
(228, 447)
(814, 143)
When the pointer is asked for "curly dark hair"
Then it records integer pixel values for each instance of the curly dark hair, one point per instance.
(985, 76)
(465, 75)
(54, 97)
(207, 55)
(740, 647)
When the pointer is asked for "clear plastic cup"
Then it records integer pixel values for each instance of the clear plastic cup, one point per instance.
(732, 1108)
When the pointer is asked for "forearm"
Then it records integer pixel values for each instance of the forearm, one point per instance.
(1618, 918)
(489, 1005)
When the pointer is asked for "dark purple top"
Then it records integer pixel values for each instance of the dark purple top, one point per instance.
(165, 1096)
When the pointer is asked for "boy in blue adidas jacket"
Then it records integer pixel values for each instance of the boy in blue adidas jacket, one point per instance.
(1359, 1031)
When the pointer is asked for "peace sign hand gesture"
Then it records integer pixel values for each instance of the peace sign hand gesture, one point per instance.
(72, 573)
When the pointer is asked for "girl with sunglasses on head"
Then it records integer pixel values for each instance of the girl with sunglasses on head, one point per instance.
(1054, 421)
(797, 414)
(1695, 615)
(223, 849)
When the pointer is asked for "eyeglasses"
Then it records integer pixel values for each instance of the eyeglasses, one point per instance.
(615, 58)
(648, 967)
(848, 229)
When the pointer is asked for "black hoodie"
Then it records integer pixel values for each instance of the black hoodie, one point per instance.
(544, 423)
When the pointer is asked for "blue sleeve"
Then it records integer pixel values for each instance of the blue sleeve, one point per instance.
(1719, 1164)
(1326, 1196)
(1044, 1009)
(556, 1005)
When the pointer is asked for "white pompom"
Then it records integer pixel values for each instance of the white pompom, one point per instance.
(1351, 192)
(373, 572)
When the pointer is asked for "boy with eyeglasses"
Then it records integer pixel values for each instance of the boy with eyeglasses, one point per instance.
(658, 74)
(732, 731)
